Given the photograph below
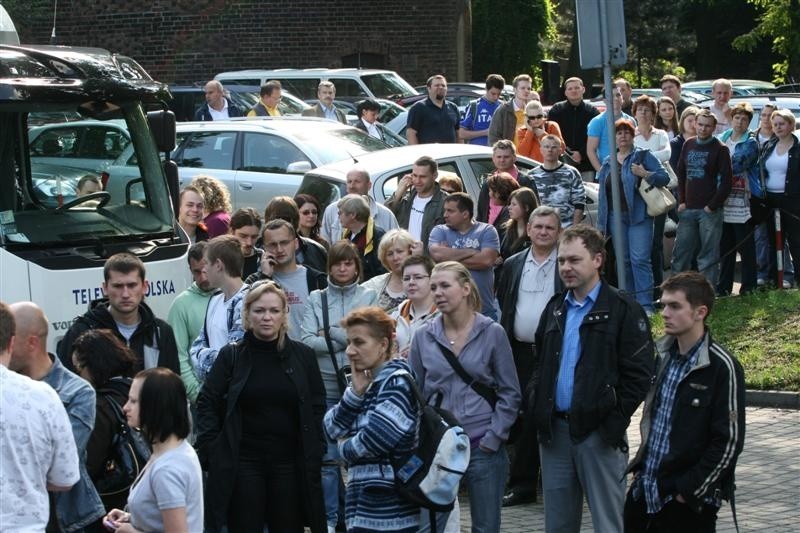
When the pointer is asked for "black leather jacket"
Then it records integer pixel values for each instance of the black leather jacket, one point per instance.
(612, 376)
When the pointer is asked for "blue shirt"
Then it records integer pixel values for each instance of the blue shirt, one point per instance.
(599, 128)
(330, 112)
(677, 368)
(478, 117)
(571, 346)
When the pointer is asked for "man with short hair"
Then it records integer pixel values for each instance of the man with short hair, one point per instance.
(705, 178)
(280, 265)
(309, 252)
(245, 226)
(81, 505)
(478, 116)
(721, 91)
(357, 182)
(504, 157)
(597, 132)
(222, 323)
(510, 116)
(671, 87)
(434, 119)
(267, 105)
(573, 116)
(418, 202)
(475, 245)
(217, 106)
(595, 364)
(559, 185)
(124, 312)
(626, 91)
(38, 449)
(367, 112)
(686, 460)
(187, 315)
(527, 281)
(324, 108)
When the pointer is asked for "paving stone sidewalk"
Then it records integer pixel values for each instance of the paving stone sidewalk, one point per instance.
(767, 477)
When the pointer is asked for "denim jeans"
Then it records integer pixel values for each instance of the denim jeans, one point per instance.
(698, 235)
(486, 480)
(638, 239)
(331, 478)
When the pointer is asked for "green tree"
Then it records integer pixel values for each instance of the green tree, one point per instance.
(507, 36)
(778, 21)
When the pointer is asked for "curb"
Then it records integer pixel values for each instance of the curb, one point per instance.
(774, 399)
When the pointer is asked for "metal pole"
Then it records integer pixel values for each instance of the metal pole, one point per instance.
(616, 190)
(778, 246)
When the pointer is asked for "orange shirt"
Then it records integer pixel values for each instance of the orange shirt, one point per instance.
(528, 143)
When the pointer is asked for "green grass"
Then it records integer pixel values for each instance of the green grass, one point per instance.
(763, 331)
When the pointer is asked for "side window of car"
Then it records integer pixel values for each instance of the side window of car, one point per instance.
(209, 150)
(482, 168)
(56, 142)
(389, 185)
(348, 87)
(304, 88)
(269, 153)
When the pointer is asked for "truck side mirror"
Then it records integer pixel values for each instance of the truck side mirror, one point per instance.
(162, 125)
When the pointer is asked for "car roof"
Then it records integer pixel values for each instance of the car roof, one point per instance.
(287, 124)
(310, 72)
(791, 101)
(735, 82)
(384, 160)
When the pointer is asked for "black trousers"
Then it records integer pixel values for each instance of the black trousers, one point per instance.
(524, 469)
(741, 235)
(673, 517)
(268, 492)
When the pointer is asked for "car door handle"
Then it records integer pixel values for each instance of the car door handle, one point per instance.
(246, 186)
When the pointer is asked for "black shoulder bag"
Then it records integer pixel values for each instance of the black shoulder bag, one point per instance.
(481, 389)
(340, 379)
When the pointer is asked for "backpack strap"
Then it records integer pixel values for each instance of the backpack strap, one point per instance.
(326, 329)
(481, 389)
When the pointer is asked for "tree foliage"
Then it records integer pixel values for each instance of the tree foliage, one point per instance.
(506, 36)
(779, 21)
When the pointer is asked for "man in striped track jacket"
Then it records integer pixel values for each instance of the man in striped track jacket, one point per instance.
(693, 423)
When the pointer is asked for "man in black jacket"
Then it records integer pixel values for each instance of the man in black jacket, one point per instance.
(595, 367)
(573, 116)
(504, 157)
(124, 312)
(682, 476)
(527, 282)
(217, 106)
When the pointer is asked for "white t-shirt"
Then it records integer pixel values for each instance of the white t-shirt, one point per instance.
(776, 167)
(295, 286)
(173, 481)
(536, 287)
(127, 330)
(36, 448)
(219, 115)
(417, 212)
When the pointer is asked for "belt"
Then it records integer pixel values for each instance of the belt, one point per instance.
(563, 415)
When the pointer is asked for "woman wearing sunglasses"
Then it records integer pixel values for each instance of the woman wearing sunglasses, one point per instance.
(536, 127)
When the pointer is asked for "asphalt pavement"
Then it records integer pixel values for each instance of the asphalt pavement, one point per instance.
(767, 479)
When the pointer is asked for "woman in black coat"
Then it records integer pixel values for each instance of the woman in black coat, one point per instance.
(260, 426)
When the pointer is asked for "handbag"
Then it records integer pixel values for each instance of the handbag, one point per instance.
(128, 456)
(658, 199)
(673, 178)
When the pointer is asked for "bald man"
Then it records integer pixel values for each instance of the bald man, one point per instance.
(38, 452)
(81, 505)
(358, 182)
(217, 106)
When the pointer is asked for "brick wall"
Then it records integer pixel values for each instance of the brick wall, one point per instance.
(183, 41)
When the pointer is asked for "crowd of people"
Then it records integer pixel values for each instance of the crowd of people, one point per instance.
(274, 394)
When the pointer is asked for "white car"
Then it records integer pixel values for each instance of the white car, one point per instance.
(91, 145)
(256, 158)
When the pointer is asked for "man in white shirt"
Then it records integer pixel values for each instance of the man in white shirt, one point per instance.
(721, 91)
(358, 182)
(367, 112)
(37, 448)
(223, 323)
(527, 282)
(217, 106)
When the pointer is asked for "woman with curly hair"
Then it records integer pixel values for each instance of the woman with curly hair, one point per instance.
(217, 204)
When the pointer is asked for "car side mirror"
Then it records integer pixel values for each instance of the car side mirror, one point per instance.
(298, 167)
(162, 126)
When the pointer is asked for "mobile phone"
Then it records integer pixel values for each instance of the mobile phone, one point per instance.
(110, 525)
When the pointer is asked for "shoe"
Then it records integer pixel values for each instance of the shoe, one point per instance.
(787, 284)
(513, 498)
(761, 282)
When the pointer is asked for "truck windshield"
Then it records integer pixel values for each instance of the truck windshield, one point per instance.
(54, 185)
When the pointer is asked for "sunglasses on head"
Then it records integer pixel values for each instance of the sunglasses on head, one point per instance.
(534, 117)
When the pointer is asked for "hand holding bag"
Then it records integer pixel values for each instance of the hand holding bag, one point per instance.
(658, 199)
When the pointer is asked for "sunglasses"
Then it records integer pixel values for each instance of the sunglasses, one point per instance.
(534, 117)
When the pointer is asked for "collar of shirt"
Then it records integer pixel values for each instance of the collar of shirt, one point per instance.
(691, 354)
(590, 298)
(532, 259)
(514, 171)
(272, 111)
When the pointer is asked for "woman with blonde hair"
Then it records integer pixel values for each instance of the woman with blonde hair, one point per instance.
(396, 246)
(536, 126)
(463, 360)
(260, 426)
(217, 204)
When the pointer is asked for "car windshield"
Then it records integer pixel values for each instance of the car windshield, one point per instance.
(331, 145)
(53, 189)
(388, 85)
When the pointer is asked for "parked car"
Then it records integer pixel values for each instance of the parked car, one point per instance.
(91, 145)
(740, 87)
(349, 82)
(461, 96)
(186, 99)
(781, 101)
(256, 158)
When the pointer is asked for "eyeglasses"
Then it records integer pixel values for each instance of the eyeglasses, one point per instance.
(309, 212)
(534, 117)
(417, 278)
